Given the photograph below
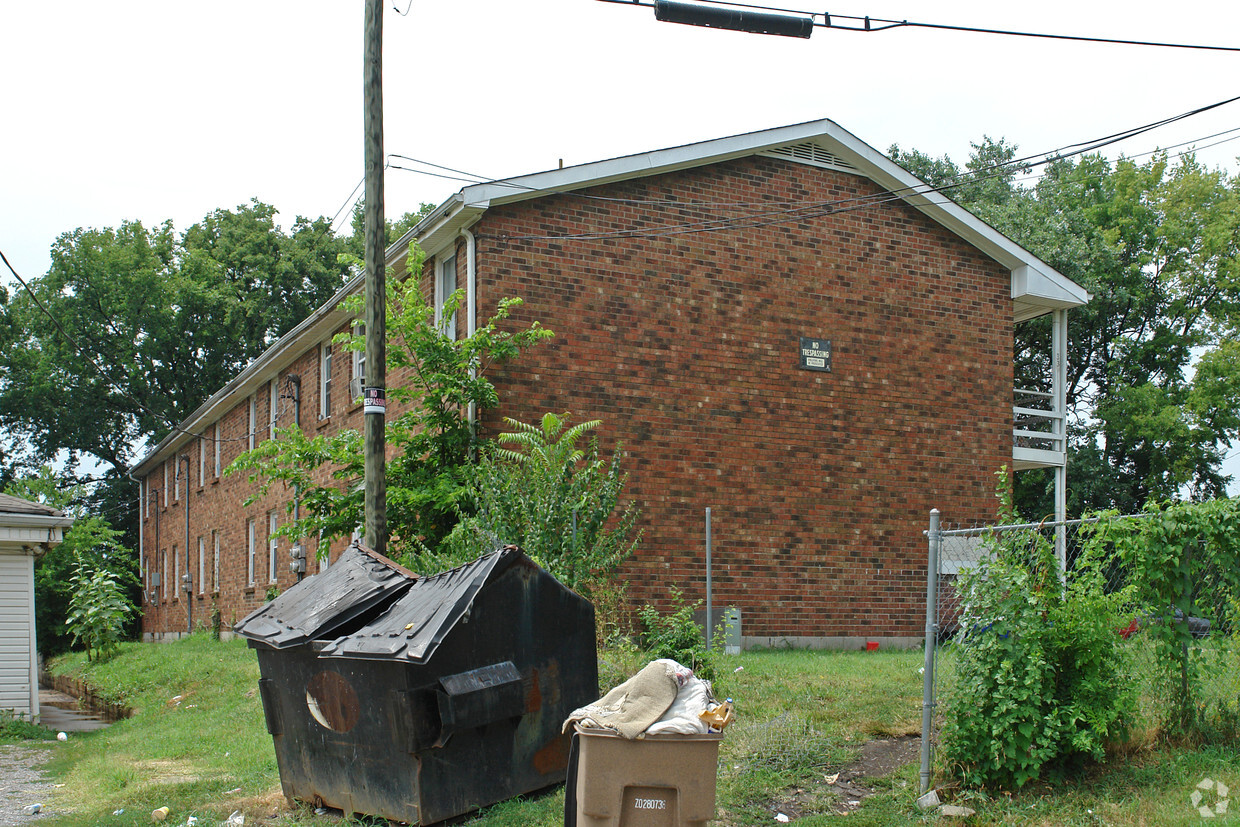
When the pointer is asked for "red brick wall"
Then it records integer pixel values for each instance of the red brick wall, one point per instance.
(686, 346)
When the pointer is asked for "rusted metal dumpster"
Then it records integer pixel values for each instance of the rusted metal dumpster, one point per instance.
(428, 697)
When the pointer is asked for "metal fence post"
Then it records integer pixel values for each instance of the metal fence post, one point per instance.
(932, 627)
(709, 597)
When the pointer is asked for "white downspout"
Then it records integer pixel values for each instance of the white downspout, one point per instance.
(471, 299)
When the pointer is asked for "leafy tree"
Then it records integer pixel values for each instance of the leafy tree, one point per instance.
(91, 545)
(435, 439)
(1152, 380)
(557, 501)
(168, 319)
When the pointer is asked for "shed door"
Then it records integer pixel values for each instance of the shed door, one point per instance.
(17, 681)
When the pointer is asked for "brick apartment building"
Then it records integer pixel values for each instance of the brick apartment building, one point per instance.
(784, 326)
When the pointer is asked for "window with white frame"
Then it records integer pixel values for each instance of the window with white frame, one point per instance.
(251, 539)
(273, 546)
(325, 380)
(323, 553)
(359, 365)
(176, 574)
(253, 418)
(217, 449)
(445, 284)
(274, 407)
(163, 574)
(215, 566)
(176, 480)
(202, 461)
(165, 488)
(202, 566)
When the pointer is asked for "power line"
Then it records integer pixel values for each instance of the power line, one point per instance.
(867, 24)
(1066, 151)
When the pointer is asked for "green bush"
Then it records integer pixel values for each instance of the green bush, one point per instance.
(560, 503)
(97, 611)
(1040, 672)
(676, 636)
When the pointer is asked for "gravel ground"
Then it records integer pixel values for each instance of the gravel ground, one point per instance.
(22, 783)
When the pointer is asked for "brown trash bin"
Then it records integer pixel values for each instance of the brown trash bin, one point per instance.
(654, 781)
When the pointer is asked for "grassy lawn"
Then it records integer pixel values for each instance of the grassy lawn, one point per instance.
(197, 744)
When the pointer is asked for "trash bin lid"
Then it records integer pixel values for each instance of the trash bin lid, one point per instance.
(418, 622)
(357, 583)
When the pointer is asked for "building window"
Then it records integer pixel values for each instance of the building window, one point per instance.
(163, 574)
(323, 552)
(445, 285)
(325, 381)
(359, 364)
(202, 461)
(202, 566)
(176, 574)
(215, 566)
(274, 407)
(251, 540)
(165, 488)
(217, 449)
(176, 480)
(273, 545)
(253, 418)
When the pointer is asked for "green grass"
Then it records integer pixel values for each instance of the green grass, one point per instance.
(197, 744)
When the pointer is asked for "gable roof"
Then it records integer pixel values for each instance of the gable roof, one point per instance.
(1037, 288)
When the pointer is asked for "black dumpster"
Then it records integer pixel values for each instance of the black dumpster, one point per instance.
(419, 699)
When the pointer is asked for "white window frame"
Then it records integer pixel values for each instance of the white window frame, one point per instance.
(217, 451)
(202, 565)
(359, 360)
(274, 403)
(325, 380)
(176, 480)
(323, 555)
(215, 568)
(202, 461)
(251, 530)
(253, 418)
(273, 546)
(163, 575)
(445, 274)
(176, 574)
(165, 488)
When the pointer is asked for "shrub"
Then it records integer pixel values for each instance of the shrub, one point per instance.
(675, 635)
(1040, 668)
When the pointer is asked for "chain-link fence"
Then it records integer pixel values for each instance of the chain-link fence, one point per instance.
(1175, 625)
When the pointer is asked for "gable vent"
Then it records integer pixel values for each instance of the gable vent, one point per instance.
(812, 154)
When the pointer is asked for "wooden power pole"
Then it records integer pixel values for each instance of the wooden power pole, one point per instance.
(375, 392)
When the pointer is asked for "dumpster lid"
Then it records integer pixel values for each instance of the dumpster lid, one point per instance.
(418, 622)
(355, 584)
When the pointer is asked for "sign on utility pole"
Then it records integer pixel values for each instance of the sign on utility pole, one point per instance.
(374, 393)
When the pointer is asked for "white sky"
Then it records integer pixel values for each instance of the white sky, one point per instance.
(167, 110)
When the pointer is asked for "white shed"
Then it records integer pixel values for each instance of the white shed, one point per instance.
(26, 530)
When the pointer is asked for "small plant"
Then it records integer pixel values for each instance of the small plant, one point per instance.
(16, 728)
(559, 502)
(677, 636)
(1040, 678)
(97, 611)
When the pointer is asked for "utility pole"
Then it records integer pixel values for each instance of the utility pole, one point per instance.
(375, 393)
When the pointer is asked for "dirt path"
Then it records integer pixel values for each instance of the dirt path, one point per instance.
(22, 783)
